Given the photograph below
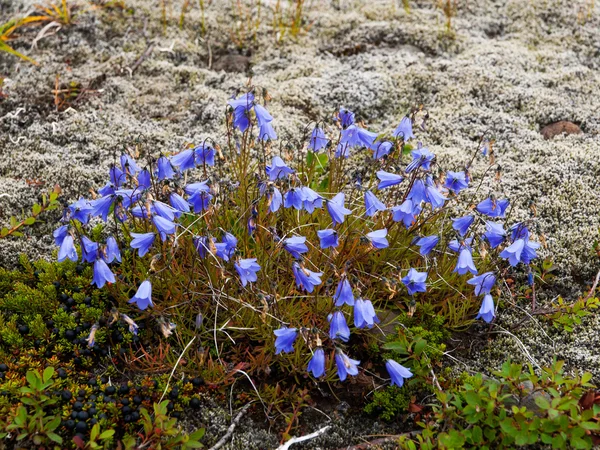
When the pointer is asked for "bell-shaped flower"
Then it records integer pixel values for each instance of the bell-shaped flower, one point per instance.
(495, 233)
(306, 279)
(318, 140)
(378, 238)
(465, 262)
(316, 365)
(346, 117)
(241, 107)
(487, 310)
(336, 208)
(278, 169)
(529, 251)
(398, 373)
(81, 210)
(60, 233)
(373, 204)
(128, 165)
(102, 274)
(310, 199)
(492, 207)
(143, 296)
(338, 328)
(434, 197)
(285, 339)
(381, 149)
(142, 242)
(116, 176)
(406, 212)
(422, 158)
(112, 252)
(101, 206)
(462, 224)
(165, 211)
(345, 365)
(296, 245)
(415, 281)
(275, 199)
(179, 203)
(293, 198)
(200, 201)
(426, 244)
(144, 179)
(456, 246)
(164, 226)
(483, 283)
(164, 169)
(194, 188)
(265, 125)
(184, 160)
(519, 231)
(67, 249)
(404, 129)
(364, 314)
(328, 238)
(513, 252)
(343, 293)
(204, 155)
(355, 136)
(89, 250)
(456, 181)
(246, 269)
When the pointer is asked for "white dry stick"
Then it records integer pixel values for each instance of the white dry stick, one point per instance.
(175, 368)
(297, 440)
(229, 432)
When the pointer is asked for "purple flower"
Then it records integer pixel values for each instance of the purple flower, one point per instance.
(285, 340)
(495, 233)
(165, 211)
(275, 199)
(426, 244)
(194, 188)
(184, 160)
(456, 181)
(336, 208)
(435, 197)
(455, 246)
(143, 296)
(142, 242)
(345, 365)
(295, 245)
(278, 169)
(226, 248)
(67, 249)
(102, 274)
(462, 224)
(310, 199)
(465, 262)
(128, 165)
(116, 176)
(381, 149)
(417, 192)
(404, 129)
(493, 208)
(164, 226)
(144, 179)
(81, 210)
(355, 136)
(179, 203)
(373, 204)
(422, 158)
(200, 201)
(89, 250)
(397, 372)
(364, 314)
(483, 283)
(519, 231)
(318, 140)
(203, 245)
(406, 212)
(247, 268)
(415, 281)
(293, 198)
(264, 119)
(101, 206)
(106, 190)
(328, 238)
(306, 279)
(486, 312)
(343, 293)
(378, 238)
(164, 169)
(513, 252)
(241, 107)
(316, 365)
(204, 154)
(338, 328)
(60, 234)
(112, 251)
(346, 117)
(529, 251)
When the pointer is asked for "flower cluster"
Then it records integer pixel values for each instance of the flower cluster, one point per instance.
(293, 228)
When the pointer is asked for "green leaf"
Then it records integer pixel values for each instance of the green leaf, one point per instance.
(542, 402)
(28, 401)
(53, 424)
(4, 232)
(6, 48)
(55, 437)
(94, 432)
(29, 221)
(420, 346)
(32, 379)
(107, 434)
(36, 209)
(48, 373)
(197, 435)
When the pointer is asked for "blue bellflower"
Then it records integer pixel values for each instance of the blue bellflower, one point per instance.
(355, 136)
(275, 199)
(293, 198)
(422, 158)
(310, 199)
(143, 296)
(89, 250)
(285, 339)
(204, 155)
(465, 262)
(495, 233)
(81, 210)
(144, 179)
(179, 203)
(373, 204)
(102, 274)
(415, 281)
(318, 140)
(278, 169)
(67, 249)
(398, 373)
(295, 245)
(493, 208)
(112, 252)
(338, 328)
(184, 160)
(128, 165)
(483, 283)
(406, 212)
(434, 197)
(487, 310)
(247, 268)
(142, 242)
(59, 234)
(336, 208)
(462, 224)
(306, 279)
(241, 107)
(456, 181)
(513, 252)
(426, 244)
(316, 365)
(345, 365)
(164, 226)
(381, 149)
(404, 129)
(378, 238)
(346, 117)
(364, 314)
(266, 131)
(387, 179)
(343, 293)
(328, 238)
(164, 169)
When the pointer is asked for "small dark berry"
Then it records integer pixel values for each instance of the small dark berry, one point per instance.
(62, 373)
(93, 421)
(70, 424)
(92, 411)
(123, 389)
(137, 400)
(103, 416)
(197, 382)
(74, 414)
(66, 395)
(177, 414)
(110, 390)
(82, 393)
(56, 284)
(93, 382)
(77, 406)
(70, 335)
(170, 407)
(23, 329)
(3, 367)
(63, 297)
(135, 416)
(81, 427)
(126, 410)
(127, 418)
(82, 415)
(70, 301)
(195, 403)
(124, 401)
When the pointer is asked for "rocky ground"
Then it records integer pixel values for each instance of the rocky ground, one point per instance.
(507, 67)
